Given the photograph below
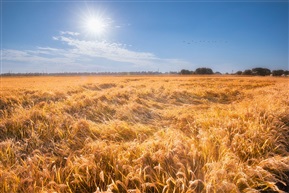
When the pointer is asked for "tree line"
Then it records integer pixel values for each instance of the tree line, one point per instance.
(199, 71)
(253, 72)
(263, 72)
(87, 73)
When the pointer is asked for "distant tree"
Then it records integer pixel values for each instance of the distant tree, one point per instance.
(239, 72)
(286, 72)
(204, 71)
(218, 73)
(185, 72)
(261, 71)
(247, 72)
(278, 72)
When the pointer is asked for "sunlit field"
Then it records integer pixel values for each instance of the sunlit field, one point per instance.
(144, 134)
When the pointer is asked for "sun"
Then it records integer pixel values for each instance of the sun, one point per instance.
(95, 25)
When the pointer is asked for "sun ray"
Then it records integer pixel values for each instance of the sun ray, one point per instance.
(95, 23)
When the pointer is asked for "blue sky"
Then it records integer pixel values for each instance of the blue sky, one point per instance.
(43, 36)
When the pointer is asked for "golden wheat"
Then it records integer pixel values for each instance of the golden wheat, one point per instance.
(144, 134)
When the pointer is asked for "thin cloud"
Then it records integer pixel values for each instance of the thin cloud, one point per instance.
(69, 33)
(81, 52)
(47, 48)
(117, 52)
(33, 56)
(111, 51)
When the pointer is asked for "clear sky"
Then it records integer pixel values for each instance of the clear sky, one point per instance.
(116, 36)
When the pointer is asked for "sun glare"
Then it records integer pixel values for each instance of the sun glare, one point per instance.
(95, 25)
(95, 22)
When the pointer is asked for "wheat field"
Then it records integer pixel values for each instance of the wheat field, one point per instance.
(164, 134)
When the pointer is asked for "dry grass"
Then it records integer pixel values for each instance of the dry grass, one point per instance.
(144, 134)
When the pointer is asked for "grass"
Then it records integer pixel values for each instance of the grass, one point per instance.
(144, 134)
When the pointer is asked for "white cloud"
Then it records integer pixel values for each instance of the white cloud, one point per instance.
(48, 48)
(69, 33)
(117, 52)
(82, 52)
(34, 57)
